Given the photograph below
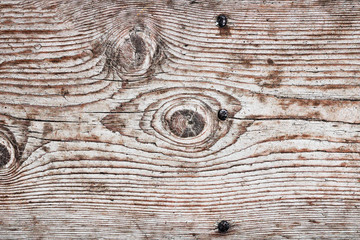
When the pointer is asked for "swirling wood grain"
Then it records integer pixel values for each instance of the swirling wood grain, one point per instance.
(109, 126)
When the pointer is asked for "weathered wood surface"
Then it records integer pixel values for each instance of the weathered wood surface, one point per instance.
(94, 141)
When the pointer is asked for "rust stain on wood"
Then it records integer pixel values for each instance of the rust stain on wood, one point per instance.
(225, 31)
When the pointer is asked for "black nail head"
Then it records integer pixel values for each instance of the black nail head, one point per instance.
(223, 226)
(223, 114)
(221, 21)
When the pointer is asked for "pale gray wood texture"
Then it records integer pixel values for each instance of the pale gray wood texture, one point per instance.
(109, 127)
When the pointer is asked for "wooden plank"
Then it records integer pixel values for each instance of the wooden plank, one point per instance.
(109, 124)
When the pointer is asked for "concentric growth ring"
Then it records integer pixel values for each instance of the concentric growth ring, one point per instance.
(177, 121)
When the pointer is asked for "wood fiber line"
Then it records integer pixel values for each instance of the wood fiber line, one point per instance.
(109, 124)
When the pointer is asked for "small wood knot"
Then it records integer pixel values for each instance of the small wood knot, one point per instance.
(270, 61)
(4, 155)
(186, 123)
(8, 148)
(223, 226)
(133, 52)
(221, 21)
(223, 114)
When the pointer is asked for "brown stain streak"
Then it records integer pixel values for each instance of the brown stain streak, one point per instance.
(51, 60)
(29, 32)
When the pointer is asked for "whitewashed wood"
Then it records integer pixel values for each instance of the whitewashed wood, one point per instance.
(85, 87)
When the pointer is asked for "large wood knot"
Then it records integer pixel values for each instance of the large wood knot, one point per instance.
(178, 121)
(186, 123)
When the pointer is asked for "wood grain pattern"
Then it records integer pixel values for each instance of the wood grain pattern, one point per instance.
(109, 127)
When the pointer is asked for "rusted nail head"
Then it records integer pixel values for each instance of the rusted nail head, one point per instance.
(223, 226)
(221, 21)
(223, 114)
